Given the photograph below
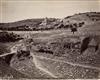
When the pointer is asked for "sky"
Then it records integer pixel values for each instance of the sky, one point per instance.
(14, 10)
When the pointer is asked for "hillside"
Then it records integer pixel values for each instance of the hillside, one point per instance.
(56, 54)
(77, 20)
(53, 53)
(7, 72)
(88, 17)
(28, 24)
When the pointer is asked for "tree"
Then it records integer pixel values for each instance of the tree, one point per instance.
(73, 29)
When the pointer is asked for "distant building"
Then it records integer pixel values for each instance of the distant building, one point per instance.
(44, 22)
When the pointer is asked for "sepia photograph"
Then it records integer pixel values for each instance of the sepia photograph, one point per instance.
(49, 39)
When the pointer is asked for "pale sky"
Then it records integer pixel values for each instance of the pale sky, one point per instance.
(14, 10)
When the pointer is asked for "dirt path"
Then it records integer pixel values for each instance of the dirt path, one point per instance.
(70, 63)
(6, 54)
(41, 57)
(39, 66)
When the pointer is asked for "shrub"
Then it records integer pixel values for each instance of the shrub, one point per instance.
(9, 37)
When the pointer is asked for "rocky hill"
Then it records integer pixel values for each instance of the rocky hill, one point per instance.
(85, 17)
(77, 20)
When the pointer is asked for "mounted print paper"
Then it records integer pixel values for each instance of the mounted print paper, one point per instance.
(49, 39)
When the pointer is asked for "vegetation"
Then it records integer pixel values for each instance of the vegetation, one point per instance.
(77, 20)
(9, 37)
(58, 47)
(42, 27)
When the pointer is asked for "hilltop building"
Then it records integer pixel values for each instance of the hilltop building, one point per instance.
(44, 22)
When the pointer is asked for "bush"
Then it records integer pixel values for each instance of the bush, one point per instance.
(9, 37)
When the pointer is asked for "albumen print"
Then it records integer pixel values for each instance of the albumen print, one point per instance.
(49, 39)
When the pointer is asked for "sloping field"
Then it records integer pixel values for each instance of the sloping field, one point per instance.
(62, 69)
(52, 57)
